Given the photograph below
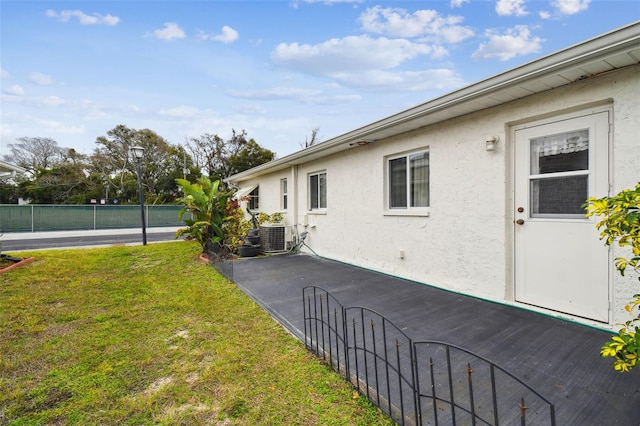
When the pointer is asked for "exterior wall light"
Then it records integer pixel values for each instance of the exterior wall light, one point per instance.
(491, 143)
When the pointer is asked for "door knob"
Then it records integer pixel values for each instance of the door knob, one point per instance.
(520, 222)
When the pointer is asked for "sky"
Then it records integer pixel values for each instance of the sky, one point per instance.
(73, 70)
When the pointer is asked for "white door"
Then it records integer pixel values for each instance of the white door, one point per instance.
(560, 262)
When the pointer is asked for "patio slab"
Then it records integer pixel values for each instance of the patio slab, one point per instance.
(559, 359)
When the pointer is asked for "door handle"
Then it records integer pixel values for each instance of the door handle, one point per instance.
(520, 221)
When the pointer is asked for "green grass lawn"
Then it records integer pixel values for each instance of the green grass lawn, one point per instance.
(151, 335)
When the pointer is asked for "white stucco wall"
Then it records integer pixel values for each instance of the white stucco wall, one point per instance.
(465, 243)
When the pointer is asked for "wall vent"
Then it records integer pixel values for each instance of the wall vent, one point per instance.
(273, 237)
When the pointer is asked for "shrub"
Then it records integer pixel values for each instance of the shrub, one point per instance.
(621, 223)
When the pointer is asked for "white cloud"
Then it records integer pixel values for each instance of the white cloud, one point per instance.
(59, 127)
(250, 109)
(511, 7)
(83, 18)
(52, 101)
(457, 3)
(514, 42)
(182, 111)
(306, 96)
(570, 7)
(275, 93)
(400, 23)
(227, 35)
(349, 54)
(4, 73)
(40, 79)
(170, 31)
(14, 90)
(17, 93)
(403, 81)
(543, 14)
(365, 62)
(334, 99)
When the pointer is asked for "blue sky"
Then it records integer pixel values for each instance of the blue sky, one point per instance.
(72, 70)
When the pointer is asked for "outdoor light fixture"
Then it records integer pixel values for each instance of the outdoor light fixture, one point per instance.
(138, 152)
(491, 143)
(360, 143)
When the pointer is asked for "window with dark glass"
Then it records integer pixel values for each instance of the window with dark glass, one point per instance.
(408, 181)
(318, 191)
(254, 199)
(283, 190)
(559, 174)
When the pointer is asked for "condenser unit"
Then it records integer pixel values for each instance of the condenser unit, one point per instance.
(273, 237)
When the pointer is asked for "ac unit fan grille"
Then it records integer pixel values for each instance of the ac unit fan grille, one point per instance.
(272, 238)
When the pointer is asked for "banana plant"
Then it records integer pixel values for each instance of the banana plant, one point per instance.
(207, 204)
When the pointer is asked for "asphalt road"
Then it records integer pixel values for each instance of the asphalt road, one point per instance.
(12, 242)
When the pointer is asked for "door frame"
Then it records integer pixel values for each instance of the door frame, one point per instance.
(510, 291)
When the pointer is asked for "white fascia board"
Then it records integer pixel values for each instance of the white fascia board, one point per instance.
(7, 167)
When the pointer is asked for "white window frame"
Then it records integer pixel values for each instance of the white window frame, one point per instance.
(408, 210)
(320, 208)
(284, 194)
(254, 200)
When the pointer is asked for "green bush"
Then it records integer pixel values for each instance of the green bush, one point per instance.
(621, 223)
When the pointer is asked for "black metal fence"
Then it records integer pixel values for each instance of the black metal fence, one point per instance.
(416, 383)
(221, 257)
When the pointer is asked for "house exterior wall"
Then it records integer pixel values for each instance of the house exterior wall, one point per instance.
(465, 243)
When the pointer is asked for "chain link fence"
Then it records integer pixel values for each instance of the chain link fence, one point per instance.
(36, 218)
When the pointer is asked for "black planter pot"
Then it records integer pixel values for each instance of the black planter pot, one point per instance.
(249, 251)
(252, 240)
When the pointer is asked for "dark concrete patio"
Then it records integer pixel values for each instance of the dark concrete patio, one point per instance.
(559, 359)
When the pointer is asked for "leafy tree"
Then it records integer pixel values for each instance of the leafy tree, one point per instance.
(221, 159)
(65, 183)
(621, 223)
(8, 192)
(251, 155)
(112, 160)
(177, 164)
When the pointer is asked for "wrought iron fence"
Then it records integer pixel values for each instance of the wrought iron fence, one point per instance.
(221, 258)
(35, 218)
(416, 383)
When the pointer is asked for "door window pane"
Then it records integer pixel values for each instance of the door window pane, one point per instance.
(559, 196)
(564, 152)
(559, 175)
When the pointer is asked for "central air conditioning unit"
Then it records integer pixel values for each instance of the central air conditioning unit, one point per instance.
(273, 237)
